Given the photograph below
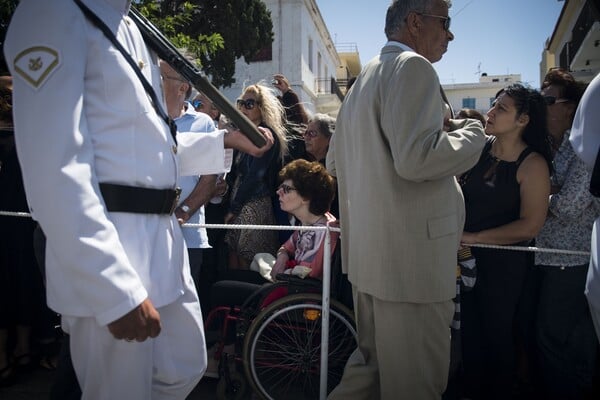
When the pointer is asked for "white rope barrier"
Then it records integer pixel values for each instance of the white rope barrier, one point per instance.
(315, 228)
(327, 270)
(325, 312)
(532, 248)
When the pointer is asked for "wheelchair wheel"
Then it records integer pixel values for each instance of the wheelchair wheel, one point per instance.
(282, 348)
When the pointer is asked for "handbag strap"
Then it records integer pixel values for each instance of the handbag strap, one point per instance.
(147, 86)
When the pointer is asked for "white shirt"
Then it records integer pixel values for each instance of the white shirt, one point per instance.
(93, 122)
(192, 121)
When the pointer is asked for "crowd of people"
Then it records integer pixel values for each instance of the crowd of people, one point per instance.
(101, 175)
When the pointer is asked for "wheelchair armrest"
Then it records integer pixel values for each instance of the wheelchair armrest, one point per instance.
(301, 282)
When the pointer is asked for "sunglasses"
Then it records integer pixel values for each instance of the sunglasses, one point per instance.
(310, 133)
(248, 104)
(197, 103)
(553, 100)
(447, 20)
(286, 188)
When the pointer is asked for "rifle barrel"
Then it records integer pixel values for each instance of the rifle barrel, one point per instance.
(166, 51)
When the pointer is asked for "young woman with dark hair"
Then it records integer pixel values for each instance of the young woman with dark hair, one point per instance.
(506, 201)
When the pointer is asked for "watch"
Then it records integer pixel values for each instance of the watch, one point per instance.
(185, 208)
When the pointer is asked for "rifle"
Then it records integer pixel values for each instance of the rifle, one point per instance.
(166, 51)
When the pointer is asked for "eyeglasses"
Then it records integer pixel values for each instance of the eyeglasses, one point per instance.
(310, 133)
(286, 188)
(248, 104)
(447, 20)
(197, 103)
(553, 100)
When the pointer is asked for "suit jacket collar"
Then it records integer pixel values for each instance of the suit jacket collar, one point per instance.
(400, 45)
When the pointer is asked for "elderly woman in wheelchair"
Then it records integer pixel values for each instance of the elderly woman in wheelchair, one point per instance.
(306, 192)
(273, 330)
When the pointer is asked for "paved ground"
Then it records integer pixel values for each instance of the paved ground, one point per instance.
(36, 386)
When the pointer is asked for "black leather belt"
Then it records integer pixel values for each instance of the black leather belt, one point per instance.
(139, 200)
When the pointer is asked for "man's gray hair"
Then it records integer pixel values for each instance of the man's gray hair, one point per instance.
(325, 124)
(399, 10)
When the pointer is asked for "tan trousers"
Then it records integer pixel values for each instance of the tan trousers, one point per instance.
(403, 353)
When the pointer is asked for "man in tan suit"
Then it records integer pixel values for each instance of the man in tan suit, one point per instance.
(402, 212)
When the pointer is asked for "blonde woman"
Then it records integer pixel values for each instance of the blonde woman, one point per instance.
(253, 181)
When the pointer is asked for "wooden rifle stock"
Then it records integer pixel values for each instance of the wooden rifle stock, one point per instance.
(166, 51)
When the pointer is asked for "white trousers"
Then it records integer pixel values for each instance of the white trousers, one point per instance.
(166, 367)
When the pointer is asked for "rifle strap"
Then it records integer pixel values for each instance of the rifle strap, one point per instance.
(147, 86)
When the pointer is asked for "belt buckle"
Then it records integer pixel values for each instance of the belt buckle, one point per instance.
(177, 191)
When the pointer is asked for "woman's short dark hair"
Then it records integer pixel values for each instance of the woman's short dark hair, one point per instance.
(567, 85)
(530, 102)
(312, 181)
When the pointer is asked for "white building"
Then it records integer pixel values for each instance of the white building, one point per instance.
(479, 95)
(303, 51)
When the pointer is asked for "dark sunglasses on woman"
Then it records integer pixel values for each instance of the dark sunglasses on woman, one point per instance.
(553, 100)
(248, 104)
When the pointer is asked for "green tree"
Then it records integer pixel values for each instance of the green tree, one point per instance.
(215, 32)
(7, 7)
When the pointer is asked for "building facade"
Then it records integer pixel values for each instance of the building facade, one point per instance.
(304, 52)
(575, 41)
(479, 95)
(574, 46)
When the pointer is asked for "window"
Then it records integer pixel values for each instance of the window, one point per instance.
(310, 55)
(469, 102)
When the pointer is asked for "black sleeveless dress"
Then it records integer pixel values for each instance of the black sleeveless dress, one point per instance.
(492, 199)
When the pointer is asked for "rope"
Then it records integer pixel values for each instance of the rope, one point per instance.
(15, 214)
(324, 228)
(532, 248)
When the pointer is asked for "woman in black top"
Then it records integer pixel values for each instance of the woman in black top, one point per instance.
(506, 200)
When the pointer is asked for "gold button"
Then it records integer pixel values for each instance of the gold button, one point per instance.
(174, 149)
(141, 64)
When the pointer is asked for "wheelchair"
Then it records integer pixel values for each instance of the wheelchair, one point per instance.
(277, 341)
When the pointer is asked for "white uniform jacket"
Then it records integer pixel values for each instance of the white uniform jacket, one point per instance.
(83, 117)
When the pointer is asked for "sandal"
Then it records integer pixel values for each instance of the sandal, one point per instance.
(49, 363)
(7, 376)
(49, 351)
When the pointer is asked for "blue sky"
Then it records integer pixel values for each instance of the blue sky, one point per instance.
(497, 37)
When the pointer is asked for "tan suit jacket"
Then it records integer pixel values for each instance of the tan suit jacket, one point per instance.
(402, 211)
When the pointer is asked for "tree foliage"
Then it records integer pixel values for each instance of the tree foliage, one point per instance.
(215, 32)
(7, 7)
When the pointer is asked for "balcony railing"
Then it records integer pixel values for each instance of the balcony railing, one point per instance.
(328, 86)
(346, 47)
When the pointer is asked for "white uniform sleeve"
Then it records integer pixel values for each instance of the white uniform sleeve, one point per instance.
(202, 153)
